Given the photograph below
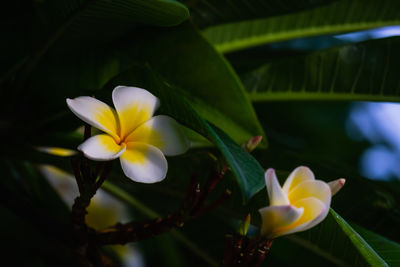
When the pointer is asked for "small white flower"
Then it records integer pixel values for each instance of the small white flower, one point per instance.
(300, 204)
(131, 133)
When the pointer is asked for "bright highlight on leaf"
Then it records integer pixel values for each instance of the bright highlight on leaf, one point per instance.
(300, 204)
(131, 133)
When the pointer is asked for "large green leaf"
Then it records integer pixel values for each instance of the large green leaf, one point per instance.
(153, 12)
(365, 71)
(208, 81)
(336, 241)
(65, 25)
(339, 16)
(207, 13)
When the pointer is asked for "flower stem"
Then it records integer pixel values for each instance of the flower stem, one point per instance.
(193, 207)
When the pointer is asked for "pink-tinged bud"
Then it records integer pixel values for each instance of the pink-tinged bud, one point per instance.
(336, 185)
(244, 226)
(252, 143)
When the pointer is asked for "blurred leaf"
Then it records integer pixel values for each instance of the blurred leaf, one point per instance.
(96, 22)
(170, 254)
(335, 240)
(365, 71)
(41, 192)
(153, 12)
(66, 24)
(207, 13)
(339, 16)
(25, 244)
(37, 231)
(387, 249)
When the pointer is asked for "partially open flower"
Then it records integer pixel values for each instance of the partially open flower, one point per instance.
(131, 133)
(300, 204)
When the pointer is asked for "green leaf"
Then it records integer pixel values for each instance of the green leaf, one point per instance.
(207, 80)
(64, 24)
(41, 193)
(249, 174)
(387, 249)
(336, 241)
(32, 223)
(365, 71)
(207, 13)
(362, 246)
(339, 16)
(152, 12)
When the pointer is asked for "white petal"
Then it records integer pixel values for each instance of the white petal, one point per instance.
(134, 106)
(162, 132)
(57, 151)
(101, 147)
(311, 188)
(336, 185)
(275, 193)
(276, 218)
(315, 212)
(144, 163)
(298, 175)
(95, 113)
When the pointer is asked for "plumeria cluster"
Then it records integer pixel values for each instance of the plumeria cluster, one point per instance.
(140, 140)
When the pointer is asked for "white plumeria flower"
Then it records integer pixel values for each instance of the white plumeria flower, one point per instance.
(131, 133)
(300, 204)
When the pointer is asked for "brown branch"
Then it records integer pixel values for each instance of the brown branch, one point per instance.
(221, 199)
(249, 252)
(212, 181)
(133, 232)
(190, 193)
(107, 166)
(227, 250)
(193, 207)
(244, 251)
(87, 252)
(262, 251)
(77, 173)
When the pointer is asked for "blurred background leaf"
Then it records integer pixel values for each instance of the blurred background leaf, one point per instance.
(364, 71)
(338, 16)
(208, 13)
